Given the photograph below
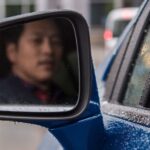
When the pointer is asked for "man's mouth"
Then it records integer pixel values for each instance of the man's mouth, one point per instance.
(48, 63)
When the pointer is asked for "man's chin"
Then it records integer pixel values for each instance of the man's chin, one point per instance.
(45, 78)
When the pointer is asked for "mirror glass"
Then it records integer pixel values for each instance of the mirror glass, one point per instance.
(39, 66)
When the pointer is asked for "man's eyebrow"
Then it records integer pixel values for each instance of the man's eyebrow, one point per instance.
(37, 33)
(47, 34)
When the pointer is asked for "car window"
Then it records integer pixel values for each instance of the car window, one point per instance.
(119, 26)
(140, 71)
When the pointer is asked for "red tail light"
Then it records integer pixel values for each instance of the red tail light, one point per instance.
(107, 34)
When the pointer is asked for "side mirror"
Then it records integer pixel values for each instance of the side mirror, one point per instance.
(45, 66)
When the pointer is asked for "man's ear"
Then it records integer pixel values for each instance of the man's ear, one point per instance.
(11, 52)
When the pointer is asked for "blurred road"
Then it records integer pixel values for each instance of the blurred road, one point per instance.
(20, 136)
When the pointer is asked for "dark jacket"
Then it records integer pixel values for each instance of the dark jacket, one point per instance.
(13, 91)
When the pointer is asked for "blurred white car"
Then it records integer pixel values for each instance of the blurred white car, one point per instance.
(116, 22)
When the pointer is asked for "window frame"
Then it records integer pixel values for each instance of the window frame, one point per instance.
(116, 66)
(131, 55)
(113, 106)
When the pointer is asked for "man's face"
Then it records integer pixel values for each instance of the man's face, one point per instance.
(38, 53)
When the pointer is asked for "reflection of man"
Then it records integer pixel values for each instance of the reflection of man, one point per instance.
(34, 57)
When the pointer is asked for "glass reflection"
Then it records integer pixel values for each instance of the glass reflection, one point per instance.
(39, 63)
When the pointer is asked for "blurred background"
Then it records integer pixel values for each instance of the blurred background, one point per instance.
(106, 20)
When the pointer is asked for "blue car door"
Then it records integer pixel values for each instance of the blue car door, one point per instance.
(125, 104)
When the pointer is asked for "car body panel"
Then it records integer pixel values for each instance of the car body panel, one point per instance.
(84, 134)
(123, 134)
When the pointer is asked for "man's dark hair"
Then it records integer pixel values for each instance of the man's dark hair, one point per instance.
(7, 36)
(12, 34)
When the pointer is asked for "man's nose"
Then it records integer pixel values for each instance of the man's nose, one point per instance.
(46, 48)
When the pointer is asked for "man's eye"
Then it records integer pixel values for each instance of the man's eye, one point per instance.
(37, 40)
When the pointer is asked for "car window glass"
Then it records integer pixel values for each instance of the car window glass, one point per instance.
(39, 63)
(119, 26)
(140, 73)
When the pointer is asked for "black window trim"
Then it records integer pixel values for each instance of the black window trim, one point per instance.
(136, 115)
(116, 66)
(117, 63)
(131, 54)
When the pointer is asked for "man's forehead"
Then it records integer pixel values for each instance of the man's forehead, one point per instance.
(41, 26)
